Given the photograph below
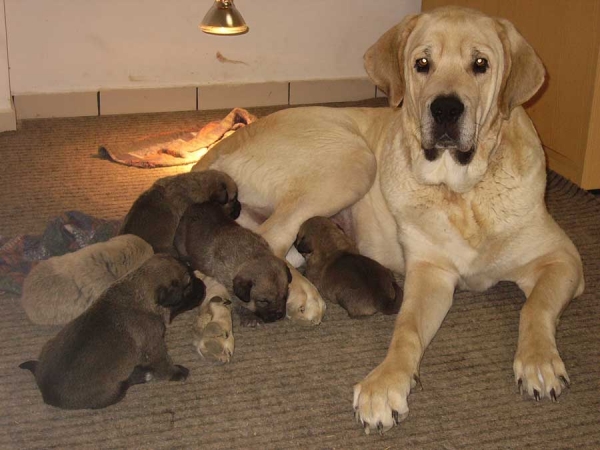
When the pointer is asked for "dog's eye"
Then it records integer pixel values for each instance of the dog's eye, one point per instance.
(422, 65)
(480, 65)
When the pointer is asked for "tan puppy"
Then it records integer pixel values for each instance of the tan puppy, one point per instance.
(119, 341)
(236, 257)
(446, 187)
(62, 287)
(154, 216)
(359, 284)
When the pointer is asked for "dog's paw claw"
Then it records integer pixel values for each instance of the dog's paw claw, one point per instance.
(416, 383)
(564, 381)
(539, 371)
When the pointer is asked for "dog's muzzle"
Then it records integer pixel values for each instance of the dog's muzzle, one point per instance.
(446, 112)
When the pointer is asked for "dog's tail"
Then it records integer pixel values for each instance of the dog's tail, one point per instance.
(392, 305)
(29, 365)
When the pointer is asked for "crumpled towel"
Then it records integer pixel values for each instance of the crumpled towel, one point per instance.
(69, 232)
(175, 149)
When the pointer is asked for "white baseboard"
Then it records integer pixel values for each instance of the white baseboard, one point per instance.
(8, 119)
(131, 101)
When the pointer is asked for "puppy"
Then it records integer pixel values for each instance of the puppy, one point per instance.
(238, 258)
(359, 284)
(60, 288)
(154, 216)
(119, 341)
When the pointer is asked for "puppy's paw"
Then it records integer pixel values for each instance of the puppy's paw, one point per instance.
(305, 306)
(380, 400)
(180, 373)
(539, 370)
(248, 318)
(213, 333)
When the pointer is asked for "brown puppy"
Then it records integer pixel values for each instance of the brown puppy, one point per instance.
(359, 284)
(119, 340)
(62, 287)
(238, 258)
(154, 216)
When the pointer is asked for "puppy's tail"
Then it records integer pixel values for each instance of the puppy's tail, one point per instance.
(392, 305)
(29, 365)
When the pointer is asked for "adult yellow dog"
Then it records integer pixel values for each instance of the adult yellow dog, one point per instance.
(446, 187)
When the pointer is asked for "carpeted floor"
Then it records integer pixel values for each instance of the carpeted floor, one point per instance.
(287, 387)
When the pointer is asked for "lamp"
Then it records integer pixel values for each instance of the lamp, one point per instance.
(223, 18)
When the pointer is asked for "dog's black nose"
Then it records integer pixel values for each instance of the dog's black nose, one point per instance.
(447, 109)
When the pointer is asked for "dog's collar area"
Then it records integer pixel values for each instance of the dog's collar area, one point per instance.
(461, 157)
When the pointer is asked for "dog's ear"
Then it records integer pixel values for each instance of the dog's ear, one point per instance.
(524, 71)
(220, 195)
(169, 296)
(242, 287)
(302, 244)
(384, 60)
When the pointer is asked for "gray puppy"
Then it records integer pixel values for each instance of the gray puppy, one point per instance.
(359, 284)
(119, 341)
(155, 214)
(238, 258)
(62, 287)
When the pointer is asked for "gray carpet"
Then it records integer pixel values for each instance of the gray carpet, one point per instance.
(287, 386)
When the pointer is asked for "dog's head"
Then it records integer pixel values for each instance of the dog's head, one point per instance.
(458, 74)
(177, 289)
(320, 234)
(263, 285)
(222, 190)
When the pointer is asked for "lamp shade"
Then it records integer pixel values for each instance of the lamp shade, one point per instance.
(223, 18)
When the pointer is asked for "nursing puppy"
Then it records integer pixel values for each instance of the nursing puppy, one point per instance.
(154, 216)
(359, 284)
(119, 341)
(62, 287)
(238, 258)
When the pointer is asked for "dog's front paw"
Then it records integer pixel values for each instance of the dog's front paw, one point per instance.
(180, 373)
(539, 370)
(380, 400)
(213, 333)
(305, 305)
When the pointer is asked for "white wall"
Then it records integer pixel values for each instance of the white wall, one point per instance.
(77, 45)
(5, 103)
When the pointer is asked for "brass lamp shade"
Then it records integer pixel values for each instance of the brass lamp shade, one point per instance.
(223, 18)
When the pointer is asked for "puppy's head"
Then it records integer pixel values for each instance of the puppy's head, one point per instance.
(263, 285)
(177, 289)
(320, 234)
(458, 74)
(221, 189)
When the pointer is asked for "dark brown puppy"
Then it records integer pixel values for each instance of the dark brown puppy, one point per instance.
(238, 258)
(119, 340)
(359, 284)
(154, 216)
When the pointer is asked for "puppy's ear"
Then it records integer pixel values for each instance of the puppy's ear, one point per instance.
(302, 244)
(523, 72)
(242, 287)
(384, 61)
(220, 195)
(289, 274)
(170, 296)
